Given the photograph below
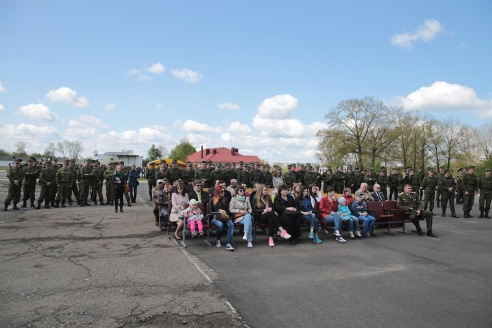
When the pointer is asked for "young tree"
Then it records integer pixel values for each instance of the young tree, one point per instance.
(153, 153)
(182, 150)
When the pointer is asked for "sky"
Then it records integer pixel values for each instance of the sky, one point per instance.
(256, 75)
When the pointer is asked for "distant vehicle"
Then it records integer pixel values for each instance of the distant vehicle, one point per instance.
(168, 162)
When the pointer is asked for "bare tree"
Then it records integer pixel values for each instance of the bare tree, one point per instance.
(451, 129)
(62, 147)
(485, 132)
(49, 151)
(20, 148)
(75, 148)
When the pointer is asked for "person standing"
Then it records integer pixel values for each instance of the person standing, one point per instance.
(119, 183)
(63, 181)
(459, 186)
(54, 189)
(16, 177)
(447, 186)
(429, 185)
(85, 178)
(393, 181)
(470, 188)
(74, 189)
(133, 183)
(422, 175)
(339, 180)
(485, 186)
(108, 175)
(439, 176)
(31, 174)
(97, 182)
(382, 180)
(47, 180)
(151, 178)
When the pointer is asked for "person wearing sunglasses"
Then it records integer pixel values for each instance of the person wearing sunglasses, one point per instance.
(240, 208)
(198, 193)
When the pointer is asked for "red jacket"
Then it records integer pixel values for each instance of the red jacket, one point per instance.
(326, 206)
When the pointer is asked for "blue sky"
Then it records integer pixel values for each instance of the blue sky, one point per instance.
(255, 75)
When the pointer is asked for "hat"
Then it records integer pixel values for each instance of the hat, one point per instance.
(460, 169)
(32, 159)
(204, 162)
(160, 181)
(122, 162)
(55, 160)
(193, 202)
(67, 162)
(18, 160)
(471, 167)
(47, 163)
(190, 164)
(88, 160)
(487, 170)
(341, 200)
(72, 160)
(174, 161)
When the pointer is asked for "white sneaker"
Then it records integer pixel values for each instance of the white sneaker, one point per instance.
(245, 237)
(351, 234)
(217, 243)
(357, 233)
(337, 233)
(368, 235)
(340, 239)
(229, 248)
(250, 244)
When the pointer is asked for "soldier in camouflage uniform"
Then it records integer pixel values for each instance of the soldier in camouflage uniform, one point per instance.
(370, 178)
(470, 187)
(174, 173)
(125, 170)
(243, 176)
(85, 180)
(239, 168)
(16, 177)
(439, 176)
(64, 182)
(409, 201)
(54, 191)
(189, 174)
(358, 180)
(414, 180)
(485, 186)
(422, 175)
(255, 175)
(218, 173)
(31, 173)
(349, 178)
(447, 186)
(151, 180)
(289, 176)
(267, 177)
(459, 186)
(309, 176)
(203, 174)
(339, 180)
(327, 178)
(229, 174)
(47, 180)
(108, 176)
(74, 189)
(97, 183)
(393, 180)
(429, 185)
(382, 180)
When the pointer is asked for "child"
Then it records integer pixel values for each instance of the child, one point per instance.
(347, 215)
(194, 216)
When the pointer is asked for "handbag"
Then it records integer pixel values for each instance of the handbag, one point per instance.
(224, 217)
(237, 216)
(127, 188)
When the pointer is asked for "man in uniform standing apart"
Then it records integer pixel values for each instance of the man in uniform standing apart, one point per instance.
(85, 177)
(409, 201)
(429, 185)
(447, 186)
(485, 186)
(31, 173)
(15, 176)
(470, 187)
(150, 176)
(439, 176)
(47, 180)
(63, 181)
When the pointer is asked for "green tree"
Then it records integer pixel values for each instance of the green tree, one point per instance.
(182, 150)
(154, 153)
(3, 152)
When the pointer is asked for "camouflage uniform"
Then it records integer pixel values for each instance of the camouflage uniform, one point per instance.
(485, 186)
(108, 176)
(97, 183)
(74, 188)
(15, 173)
(63, 181)
(47, 180)
(470, 187)
(31, 173)
(429, 185)
(446, 183)
(410, 203)
(84, 177)
(149, 175)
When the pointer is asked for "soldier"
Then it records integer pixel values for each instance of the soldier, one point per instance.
(47, 180)
(174, 173)
(358, 180)
(255, 174)
(349, 178)
(393, 182)
(470, 186)
(447, 186)
(238, 168)
(370, 178)
(203, 174)
(414, 180)
(402, 181)
(84, 177)
(318, 176)
(126, 172)
(189, 174)
(409, 201)
(16, 177)
(485, 186)
(429, 185)
(267, 176)
(421, 174)
(54, 191)
(339, 180)
(309, 176)
(31, 173)
(459, 186)
(74, 189)
(327, 178)
(151, 179)
(108, 176)
(439, 176)
(229, 173)
(289, 176)
(300, 173)
(97, 183)
(382, 180)
(243, 176)
(217, 174)
(64, 182)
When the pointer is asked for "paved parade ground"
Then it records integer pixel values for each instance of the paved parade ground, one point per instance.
(75, 267)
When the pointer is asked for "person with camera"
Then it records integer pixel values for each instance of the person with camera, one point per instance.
(409, 201)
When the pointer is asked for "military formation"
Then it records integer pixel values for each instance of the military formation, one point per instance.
(61, 184)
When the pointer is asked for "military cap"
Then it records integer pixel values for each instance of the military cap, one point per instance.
(88, 160)
(47, 163)
(96, 163)
(487, 170)
(122, 162)
(289, 166)
(460, 169)
(72, 160)
(190, 164)
(241, 162)
(233, 163)
(18, 160)
(32, 159)
(204, 162)
(66, 162)
(471, 167)
(446, 171)
(55, 160)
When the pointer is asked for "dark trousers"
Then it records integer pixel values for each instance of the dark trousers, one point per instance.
(273, 222)
(423, 214)
(151, 184)
(133, 193)
(393, 192)
(118, 196)
(445, 197)
(292, 222)
(468, 201)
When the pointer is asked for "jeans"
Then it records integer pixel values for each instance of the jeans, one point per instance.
(368, 223)
(353, 222)
(313, 222)
(336, 219)
(220, 225)
(133, 193)
(248, 226)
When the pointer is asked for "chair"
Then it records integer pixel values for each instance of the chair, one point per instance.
(399, 214)
(381, 216)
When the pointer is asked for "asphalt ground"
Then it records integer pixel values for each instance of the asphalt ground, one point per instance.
(91, 266)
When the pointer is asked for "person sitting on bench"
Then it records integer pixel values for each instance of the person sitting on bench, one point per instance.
(409, 201)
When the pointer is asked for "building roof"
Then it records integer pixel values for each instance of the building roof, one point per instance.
(221, 155)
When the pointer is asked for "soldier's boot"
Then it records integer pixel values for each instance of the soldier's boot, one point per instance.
(57, 204)
(6, 207)
(453, 215)
(15, 207)
(116, 207)
(112, 202)
(86, 203)
(130, 205)
(481, 215)
(487, 215)
(95, 202)
(81, 203)
(469, 215)
(121, 208)
(438, 204)
(39, 206)
(63, 204)
(101, 201)
(108, 202)
(53, 204)
(32, 204)
(24, 204)
(69, 202)
(443, 213)
(465, 214)
(47, 205)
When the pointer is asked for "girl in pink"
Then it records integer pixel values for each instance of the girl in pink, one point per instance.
(194, 216)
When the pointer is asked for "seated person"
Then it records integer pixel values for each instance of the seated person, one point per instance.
(409, 201)
(315, 194)
(306, 208)
(161, 195)
(240, 209)
(363, 193)
(194, 216)
(218, 202)
(349, 198)
(328, 214)
(359, 208)
(346, 215)
(377, 194)
(288, 212)
(179, 201)
(198, 193)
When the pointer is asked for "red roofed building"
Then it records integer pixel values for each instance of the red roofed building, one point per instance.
(221, 155)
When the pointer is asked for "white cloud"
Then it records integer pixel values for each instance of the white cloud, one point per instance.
(134, 71)
(36, 137)
(2, 108)
(198, 139)
(143, 78)
(67, 95)
(239, 128)
(159, 106)
(279, 128)
(278, 107)
(444, 96)
(38, 112)
(426, 32)
(156, 68)
(196, 127)
(2, 88)
(187, 75)
(109, 106)
(228, 106)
